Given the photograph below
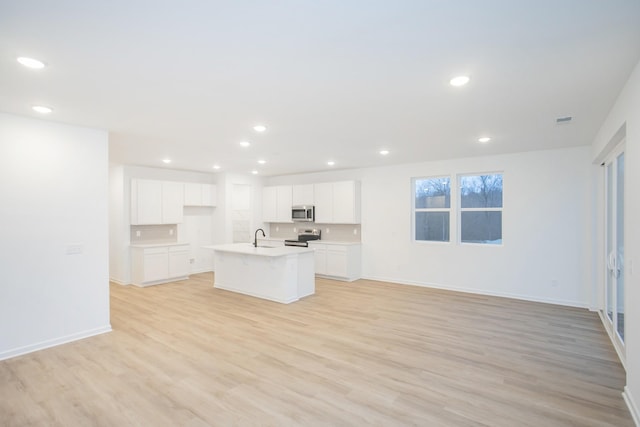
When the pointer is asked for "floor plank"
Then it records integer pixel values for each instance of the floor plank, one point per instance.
(361, 353)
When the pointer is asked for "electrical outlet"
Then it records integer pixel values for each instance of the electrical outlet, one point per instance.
(74, 249)
(171, 232)
(192, 260)
(277, 228)
(327, 230)
(355, 231)
(138, 233)
(295, 230)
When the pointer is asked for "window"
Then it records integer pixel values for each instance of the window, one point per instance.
(432, 206)
(481, 209)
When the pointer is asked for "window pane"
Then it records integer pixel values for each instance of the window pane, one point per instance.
(433, 193)
(481, 191)
(481, 227)
(610, 279)
(620, 245)
(432, 226)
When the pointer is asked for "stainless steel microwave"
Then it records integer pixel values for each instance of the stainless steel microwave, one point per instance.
(303, 213)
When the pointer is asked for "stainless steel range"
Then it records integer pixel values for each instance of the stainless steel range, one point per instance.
(304, 236)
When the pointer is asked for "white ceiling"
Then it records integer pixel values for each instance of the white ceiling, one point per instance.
(332, 79)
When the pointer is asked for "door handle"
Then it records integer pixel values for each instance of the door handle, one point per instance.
(611, 261)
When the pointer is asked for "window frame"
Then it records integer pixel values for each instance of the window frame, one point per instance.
(448, 210)
(460, 209)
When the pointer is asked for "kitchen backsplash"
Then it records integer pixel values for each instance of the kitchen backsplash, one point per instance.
(334, 232)
(167, 233)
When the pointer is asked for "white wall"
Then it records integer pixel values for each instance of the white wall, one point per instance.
(545, 227)
(54, 188)
(624, 122)
(118, 225)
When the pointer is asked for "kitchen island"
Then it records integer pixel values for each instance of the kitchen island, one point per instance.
(283, 274)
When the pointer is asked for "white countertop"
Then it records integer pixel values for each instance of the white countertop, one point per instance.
(334, 242)
(156, 245)
(248, 249)
(326, 242)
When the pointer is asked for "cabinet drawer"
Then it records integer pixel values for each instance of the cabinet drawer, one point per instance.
(179, 248)
(151, 251)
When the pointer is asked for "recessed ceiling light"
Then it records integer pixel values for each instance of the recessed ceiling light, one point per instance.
(167, 161)
(384, 152)
(331, 163)
(262, 161)
(30, 62)
(459, 81)
(259, 128)
(245, 143)
(255, 172)
(484, 139)
(42, 109)
(216, 166)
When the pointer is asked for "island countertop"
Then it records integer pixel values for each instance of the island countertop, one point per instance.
(249, 249)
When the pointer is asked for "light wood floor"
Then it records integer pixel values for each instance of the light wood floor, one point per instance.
(360, 354)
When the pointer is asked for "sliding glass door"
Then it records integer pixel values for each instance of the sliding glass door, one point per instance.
(614, 245)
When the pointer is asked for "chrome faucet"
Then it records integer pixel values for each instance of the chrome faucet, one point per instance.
(255, 237)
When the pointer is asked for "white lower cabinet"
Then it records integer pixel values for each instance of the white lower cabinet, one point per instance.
(154, 265)
(320, 257)
(178, 261)
(159, 264)
(340, 261)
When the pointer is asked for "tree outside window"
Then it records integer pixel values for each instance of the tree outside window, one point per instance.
(481, 209)
(432, 206)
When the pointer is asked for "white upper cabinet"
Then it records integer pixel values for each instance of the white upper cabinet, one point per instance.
(302, 195)
(196, 194)
(269, 204)
(172, 208)
(337, 202)
(192, 194)
(284, 203)
(146, 202)
(276, 203)
(346, 202)
(323, 200)
(209, 195)
(156, 202)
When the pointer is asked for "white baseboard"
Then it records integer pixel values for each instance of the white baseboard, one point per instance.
(568, 303)
(631, 404)
(118, 282)
(614, 342)
(201, 270)
(53, 342)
